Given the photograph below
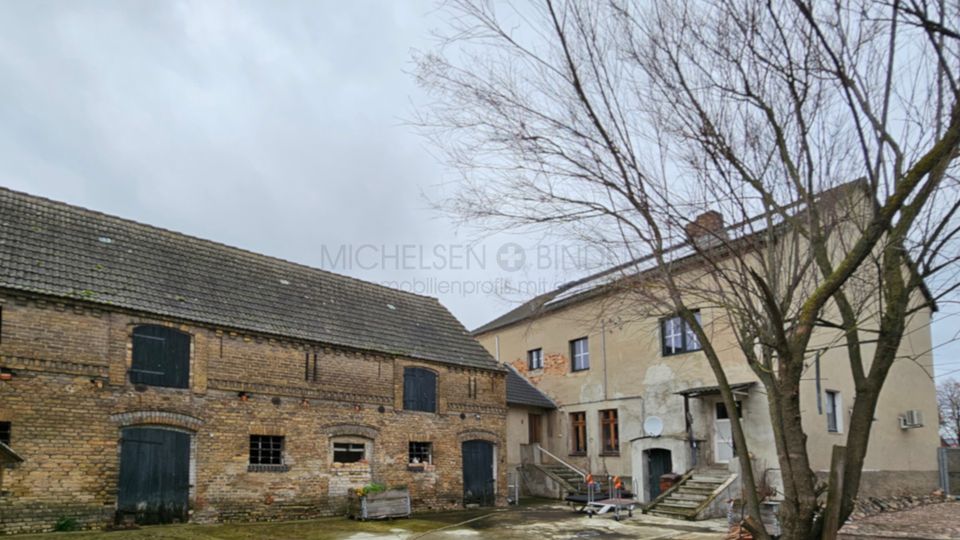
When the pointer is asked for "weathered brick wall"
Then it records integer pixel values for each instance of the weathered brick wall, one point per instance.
(69, 400)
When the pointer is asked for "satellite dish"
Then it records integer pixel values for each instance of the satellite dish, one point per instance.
(653, 426)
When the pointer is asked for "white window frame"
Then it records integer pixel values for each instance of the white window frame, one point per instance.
(834, 401)
(535, 358)
(580, 358)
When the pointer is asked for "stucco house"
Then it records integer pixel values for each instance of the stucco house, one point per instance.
(636, 398)
(152, 376)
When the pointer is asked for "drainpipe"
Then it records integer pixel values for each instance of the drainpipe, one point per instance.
(603, 354)
(496, 339)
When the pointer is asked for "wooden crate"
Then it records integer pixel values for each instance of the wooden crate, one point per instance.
(388, 504)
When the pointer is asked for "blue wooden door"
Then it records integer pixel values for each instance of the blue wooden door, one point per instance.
(154, 475)
(478, 482)
(659, 462)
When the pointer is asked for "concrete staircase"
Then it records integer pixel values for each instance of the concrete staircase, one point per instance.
(691, 495)
(568, 478)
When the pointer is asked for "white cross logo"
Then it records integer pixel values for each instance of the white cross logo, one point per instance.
(511, 257)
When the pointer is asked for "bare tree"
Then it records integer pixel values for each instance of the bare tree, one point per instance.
(948, 400)
(827, 132)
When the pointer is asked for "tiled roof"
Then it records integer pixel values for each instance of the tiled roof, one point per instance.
(521, 392)
(52, 248)
(740, 234)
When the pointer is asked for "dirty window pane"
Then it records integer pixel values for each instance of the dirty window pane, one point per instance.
(266, 450)
(420, 452)
(348, 452)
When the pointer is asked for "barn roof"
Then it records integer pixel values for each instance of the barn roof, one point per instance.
(56, 249)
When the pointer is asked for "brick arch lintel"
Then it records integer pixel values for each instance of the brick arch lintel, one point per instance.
(163, 418)
(354, 430)
(479, 434)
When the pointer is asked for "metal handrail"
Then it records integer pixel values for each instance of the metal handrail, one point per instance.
(562, 462)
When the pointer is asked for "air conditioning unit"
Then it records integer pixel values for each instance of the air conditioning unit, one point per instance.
(911, 419)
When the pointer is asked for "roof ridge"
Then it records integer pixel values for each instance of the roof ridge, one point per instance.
(240, 250)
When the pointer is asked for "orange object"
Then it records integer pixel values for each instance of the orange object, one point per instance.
(617, 483)
(589, 479)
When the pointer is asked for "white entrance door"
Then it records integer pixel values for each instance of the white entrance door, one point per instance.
(722, 435)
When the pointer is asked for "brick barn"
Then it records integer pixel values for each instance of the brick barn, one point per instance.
(155, 376)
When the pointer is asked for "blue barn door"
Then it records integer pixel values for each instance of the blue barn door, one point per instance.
(478, 482)
(154, 475)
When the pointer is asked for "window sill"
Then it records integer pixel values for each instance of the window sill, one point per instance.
(420, 467)
(419, 412)
(267, 468)
(582, 370)
(610, 454)
(679, 353)
(578, 454)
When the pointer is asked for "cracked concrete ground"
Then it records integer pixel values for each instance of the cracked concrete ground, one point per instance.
(549, 521)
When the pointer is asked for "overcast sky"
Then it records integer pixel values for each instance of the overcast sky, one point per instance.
(272, 126)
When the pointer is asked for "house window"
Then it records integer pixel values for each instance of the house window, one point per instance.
(722, 413)
(578, 431)
(834, 410)
(161, 357)
(580, 354)
(677, 336)
(535, 359)
(419, 390)
(5, 433)
(534, 428)
(420, 452)
(266, 450)
(610, 431)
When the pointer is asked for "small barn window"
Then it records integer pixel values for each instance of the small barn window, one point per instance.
(161, 357)
(5, 433)
(349, 452)
(419, 390)
(420, 452)
(266, 450)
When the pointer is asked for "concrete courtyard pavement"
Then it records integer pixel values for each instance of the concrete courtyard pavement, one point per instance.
(559, 522)
(549, 521)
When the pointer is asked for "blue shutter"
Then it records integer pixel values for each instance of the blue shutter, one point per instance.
(419, 390)
(161, 357)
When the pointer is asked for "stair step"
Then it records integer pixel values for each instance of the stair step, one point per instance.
(709, 479)
(667, 513)
(670, 502)
(702, 485)
(677, 495)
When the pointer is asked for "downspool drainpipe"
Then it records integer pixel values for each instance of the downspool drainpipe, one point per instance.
(603, 354)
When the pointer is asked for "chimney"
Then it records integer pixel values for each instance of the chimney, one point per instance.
(706, 230)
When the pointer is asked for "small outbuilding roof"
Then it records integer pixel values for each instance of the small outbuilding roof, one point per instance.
(520, 391)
